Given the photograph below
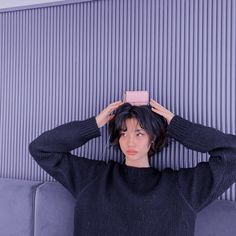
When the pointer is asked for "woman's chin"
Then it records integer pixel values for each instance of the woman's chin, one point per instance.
(132, 157)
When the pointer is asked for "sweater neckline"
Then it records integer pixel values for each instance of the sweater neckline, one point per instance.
(137, 170)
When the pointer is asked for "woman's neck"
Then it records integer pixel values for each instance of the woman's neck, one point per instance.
(137, 163)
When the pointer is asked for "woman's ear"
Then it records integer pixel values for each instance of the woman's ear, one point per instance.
(152, 141)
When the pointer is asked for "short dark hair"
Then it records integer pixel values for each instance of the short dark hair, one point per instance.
(154, 124)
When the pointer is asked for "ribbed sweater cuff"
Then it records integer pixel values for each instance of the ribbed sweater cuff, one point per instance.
(179, 128)
(89, 128)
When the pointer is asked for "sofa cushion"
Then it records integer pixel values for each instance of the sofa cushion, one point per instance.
(54, 210)
(217, 219)
(17, 207)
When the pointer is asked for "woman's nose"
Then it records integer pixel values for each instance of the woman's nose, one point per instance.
(130, 141)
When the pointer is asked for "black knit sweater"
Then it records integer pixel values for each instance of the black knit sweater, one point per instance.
(114, 199)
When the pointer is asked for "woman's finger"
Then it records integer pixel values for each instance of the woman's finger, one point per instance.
(168, 115)
(158, 111)
(159, 107)
(113, 106)
(111, 116)
(117, 102)
(156, 104)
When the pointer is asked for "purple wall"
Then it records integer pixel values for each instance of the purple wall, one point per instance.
(68, 62)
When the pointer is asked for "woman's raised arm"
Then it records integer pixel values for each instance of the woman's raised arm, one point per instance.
(51, 150)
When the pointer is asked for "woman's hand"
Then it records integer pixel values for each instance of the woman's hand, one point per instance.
(157, 108)
(105, 115)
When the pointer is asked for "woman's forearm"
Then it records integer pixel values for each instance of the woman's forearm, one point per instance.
(199, 137)
(66, 137)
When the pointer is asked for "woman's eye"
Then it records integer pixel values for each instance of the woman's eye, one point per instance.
(139, 134)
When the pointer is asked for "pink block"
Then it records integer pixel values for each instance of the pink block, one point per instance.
(136, 97)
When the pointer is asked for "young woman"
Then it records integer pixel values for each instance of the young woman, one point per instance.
(133, 198)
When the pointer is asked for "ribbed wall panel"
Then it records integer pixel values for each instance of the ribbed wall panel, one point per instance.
(68, 62)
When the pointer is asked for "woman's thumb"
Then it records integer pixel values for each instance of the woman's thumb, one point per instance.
(110, 117)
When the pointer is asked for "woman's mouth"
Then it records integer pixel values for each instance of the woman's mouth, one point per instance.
(132, 152)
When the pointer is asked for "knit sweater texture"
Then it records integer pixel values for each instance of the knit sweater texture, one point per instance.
(113, 199)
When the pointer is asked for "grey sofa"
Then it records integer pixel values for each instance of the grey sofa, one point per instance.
(31, 208)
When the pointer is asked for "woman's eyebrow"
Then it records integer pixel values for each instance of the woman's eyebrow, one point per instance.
(137, 130)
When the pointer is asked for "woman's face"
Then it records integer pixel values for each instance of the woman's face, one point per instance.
(134, 141)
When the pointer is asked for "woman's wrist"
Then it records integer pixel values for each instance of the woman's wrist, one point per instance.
(98, 122)
(170, 117)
